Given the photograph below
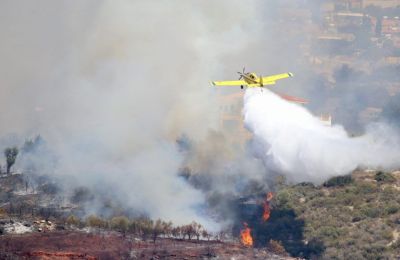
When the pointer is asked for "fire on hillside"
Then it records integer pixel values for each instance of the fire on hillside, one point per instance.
(245, 234)
(267, 210)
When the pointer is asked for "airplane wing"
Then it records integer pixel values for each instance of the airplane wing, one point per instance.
(293, 99)
(229, 83)
(273, 78)
(255, 85)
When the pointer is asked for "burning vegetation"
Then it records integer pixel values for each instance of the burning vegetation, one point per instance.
(267, 210)
(245, 233)
(245, 236)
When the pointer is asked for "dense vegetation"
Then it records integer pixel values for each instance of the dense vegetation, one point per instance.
(350, 217)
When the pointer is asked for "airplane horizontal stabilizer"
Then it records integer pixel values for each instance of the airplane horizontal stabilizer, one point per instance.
(293, 99)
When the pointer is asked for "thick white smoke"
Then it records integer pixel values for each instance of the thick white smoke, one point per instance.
(111, 85)
(290, 140)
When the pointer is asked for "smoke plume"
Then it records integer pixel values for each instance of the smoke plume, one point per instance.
(110, 87)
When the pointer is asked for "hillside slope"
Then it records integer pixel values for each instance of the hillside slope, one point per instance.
(350, 217)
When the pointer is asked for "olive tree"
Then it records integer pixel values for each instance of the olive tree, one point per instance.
(11, 155)
(120, 223)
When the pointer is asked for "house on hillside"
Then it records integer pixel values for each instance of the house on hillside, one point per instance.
(231, 118)
(381, 3)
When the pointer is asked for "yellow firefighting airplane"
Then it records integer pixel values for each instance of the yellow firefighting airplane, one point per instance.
(251, 80)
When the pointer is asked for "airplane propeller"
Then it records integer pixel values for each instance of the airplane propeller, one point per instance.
(242, 73)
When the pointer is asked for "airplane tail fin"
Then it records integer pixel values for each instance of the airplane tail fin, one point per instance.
(293, 99)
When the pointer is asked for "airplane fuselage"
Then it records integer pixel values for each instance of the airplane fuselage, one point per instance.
(252, 78)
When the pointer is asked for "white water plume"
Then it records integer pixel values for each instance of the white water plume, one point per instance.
(290, 140)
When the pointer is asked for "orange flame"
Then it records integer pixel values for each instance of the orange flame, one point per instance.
(267, 210)
(245, 234)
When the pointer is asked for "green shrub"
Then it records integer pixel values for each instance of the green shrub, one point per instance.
(366, 188)
(331, 232)
(384, 177)
(72, 220)
(389, 193)
(94, 221)
(305, 184)
(355, 254)
(120, 223)
(320, 202)
(339, 181)
(350, 242)
(357, 218)
(282, 198)
(396, 245)
(387, 234)
(348, 198)
(391, 209)
(374, 252)
(370, 212)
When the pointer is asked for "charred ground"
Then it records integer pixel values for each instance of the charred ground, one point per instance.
(111, 245)
(37, 222)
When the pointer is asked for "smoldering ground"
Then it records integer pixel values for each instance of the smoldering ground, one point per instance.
(111, 87)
